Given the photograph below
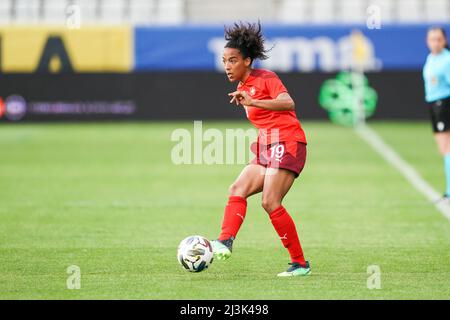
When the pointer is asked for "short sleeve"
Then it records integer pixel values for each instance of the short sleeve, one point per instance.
(447, 71)
(274, 86)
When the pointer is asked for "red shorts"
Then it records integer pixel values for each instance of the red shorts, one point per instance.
(289, 155)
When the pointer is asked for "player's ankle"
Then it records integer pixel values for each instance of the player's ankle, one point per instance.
(225, 237)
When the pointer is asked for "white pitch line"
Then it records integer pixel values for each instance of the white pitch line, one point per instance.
(392, 157)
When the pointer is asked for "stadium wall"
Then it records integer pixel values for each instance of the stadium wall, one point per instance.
(199, 48)
(181, 95)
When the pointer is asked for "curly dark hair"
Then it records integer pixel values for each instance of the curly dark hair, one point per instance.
(248, 39)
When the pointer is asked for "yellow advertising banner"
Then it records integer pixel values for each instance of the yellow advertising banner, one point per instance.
(58, 49)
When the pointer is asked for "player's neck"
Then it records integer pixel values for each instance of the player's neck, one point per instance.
(246, 75)
(438, 52)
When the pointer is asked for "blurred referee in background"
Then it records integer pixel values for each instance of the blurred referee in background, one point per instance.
(436, 75)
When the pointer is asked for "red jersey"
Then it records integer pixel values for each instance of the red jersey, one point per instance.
(273, 125)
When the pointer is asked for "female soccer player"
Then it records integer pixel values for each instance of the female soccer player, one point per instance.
(280, 149)
(436, 75)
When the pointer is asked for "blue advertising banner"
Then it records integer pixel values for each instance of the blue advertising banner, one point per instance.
(294, 48)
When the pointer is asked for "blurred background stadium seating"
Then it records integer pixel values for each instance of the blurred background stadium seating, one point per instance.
(151, 12)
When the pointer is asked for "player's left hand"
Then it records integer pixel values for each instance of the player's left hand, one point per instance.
(240, 97)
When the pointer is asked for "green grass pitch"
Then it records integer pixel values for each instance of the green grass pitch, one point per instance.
(107, 198)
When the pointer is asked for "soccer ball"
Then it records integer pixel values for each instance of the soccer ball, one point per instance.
(195, 253)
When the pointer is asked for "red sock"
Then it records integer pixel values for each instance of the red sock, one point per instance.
(233, 217)
(285, 227)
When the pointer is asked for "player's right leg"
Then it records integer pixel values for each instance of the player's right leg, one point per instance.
(443, 142)
(248, 183)
(440, 119)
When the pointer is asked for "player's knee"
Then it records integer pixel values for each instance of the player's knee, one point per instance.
(270, 204)
(443, 150)
(237, 190)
